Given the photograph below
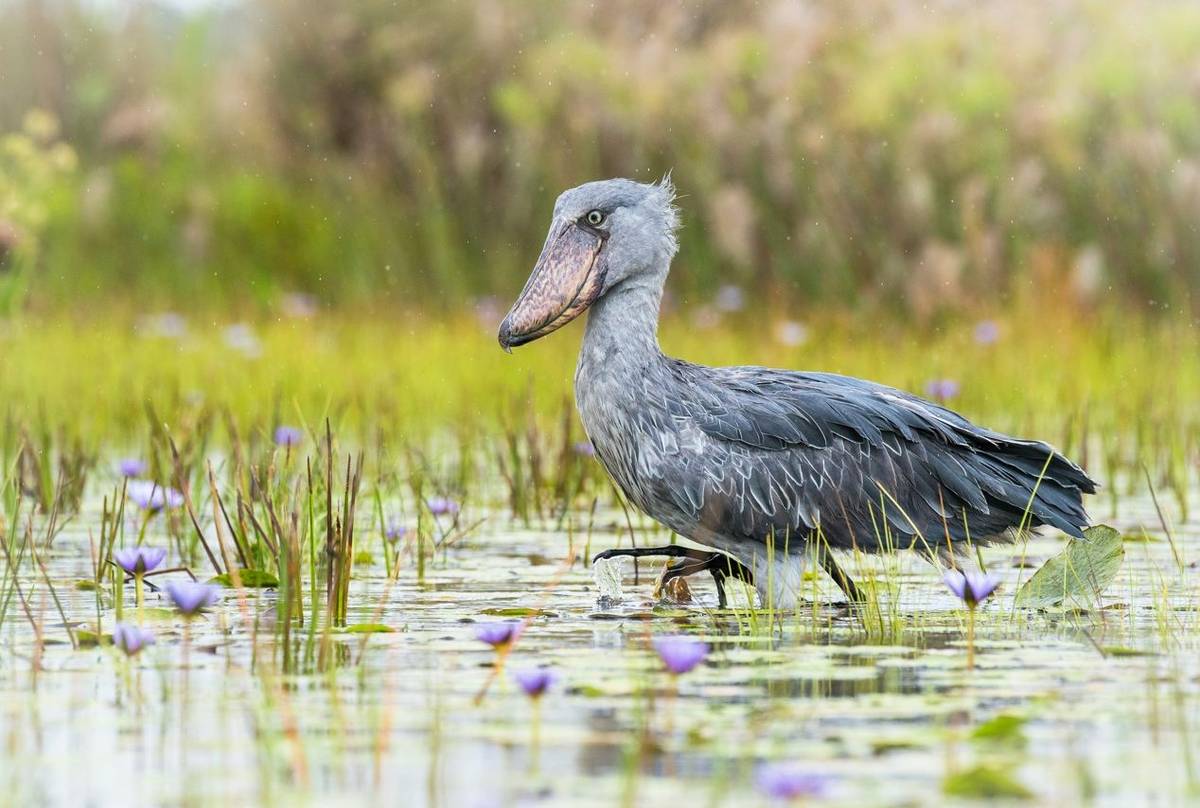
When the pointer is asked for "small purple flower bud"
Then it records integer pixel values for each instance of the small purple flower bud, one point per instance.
(394, 532)
(987, 332)
(150, 496)
(499, 633)
(730, 298)
(680, 654)
(791, 333)
(971, 588)
(790, 781)
(441, 506)
(137, 560)
(288, 436)
(535, 681)
(190, 597)
(132, 467)
(241, 338)
(131, 639)
(299, 305)
(941, 389)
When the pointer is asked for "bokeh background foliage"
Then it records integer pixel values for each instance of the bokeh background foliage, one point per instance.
(906, 157)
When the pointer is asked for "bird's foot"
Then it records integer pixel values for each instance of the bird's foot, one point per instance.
(689, 561)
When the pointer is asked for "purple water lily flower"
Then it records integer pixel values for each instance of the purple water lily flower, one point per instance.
(394, 532)
(241, 338)
(190, 597)
(971, 588)
(138, 560)
(987, 332)
(941, 389)
(499, 633)
(299, 305)
(131, 639)
(535, 681)
(132, 467)
(730, 298)
(441, 506)
(168, 325)
(680, 654)
(288, 436)
(150, 496)
(791, 333)
(790, 781)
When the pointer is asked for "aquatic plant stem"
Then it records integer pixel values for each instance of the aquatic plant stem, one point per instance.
(502, 652)
(535, 741)
(970, 638)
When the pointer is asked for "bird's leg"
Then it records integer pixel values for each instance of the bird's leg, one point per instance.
(830, 565)
(691, 561)
(670, 550)
(719, 565)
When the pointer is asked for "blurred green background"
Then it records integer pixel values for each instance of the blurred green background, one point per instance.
(903, 158)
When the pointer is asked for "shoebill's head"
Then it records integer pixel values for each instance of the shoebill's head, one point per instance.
(603, 234)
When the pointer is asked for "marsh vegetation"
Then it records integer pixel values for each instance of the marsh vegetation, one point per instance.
(280, 524)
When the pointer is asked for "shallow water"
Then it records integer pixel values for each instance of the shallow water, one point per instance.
(1106, 701)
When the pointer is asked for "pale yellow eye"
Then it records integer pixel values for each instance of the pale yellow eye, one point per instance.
(595, 218)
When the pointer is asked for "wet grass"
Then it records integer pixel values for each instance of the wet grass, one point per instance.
(436, 485)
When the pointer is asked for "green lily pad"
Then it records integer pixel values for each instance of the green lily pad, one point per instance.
(518, 611)
(90, 639)
(251, 579)
(150, 614)
(1122, 651)
(369, 628)
(1078, 575)
(1006, 729)
(985, 782)
(364, 558)
(85, 585)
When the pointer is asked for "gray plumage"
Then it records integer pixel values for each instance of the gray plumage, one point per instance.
(734, 457)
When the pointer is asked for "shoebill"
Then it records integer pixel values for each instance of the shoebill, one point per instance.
(760, 465)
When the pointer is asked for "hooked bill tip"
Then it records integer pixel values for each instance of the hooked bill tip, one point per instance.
(504, 337)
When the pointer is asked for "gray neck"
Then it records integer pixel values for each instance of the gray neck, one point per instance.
(622, 326)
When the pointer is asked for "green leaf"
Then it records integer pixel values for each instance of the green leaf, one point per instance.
(85, 585)
(518, 611)
(251, 579)
(369, 628)
(90, 639)
(1078, 575)
(1006, 729)
(151, 614)
(985, 783)
(1122, 651)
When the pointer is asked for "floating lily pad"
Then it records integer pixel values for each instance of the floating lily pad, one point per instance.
(90, 639)
(86, 585)
(150, 614)
(1078, 575)
(251, 579)
(369, 628)
(364, 558)
(985, 783)
(1122, 651)
(518, 611)
(1006, 729)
